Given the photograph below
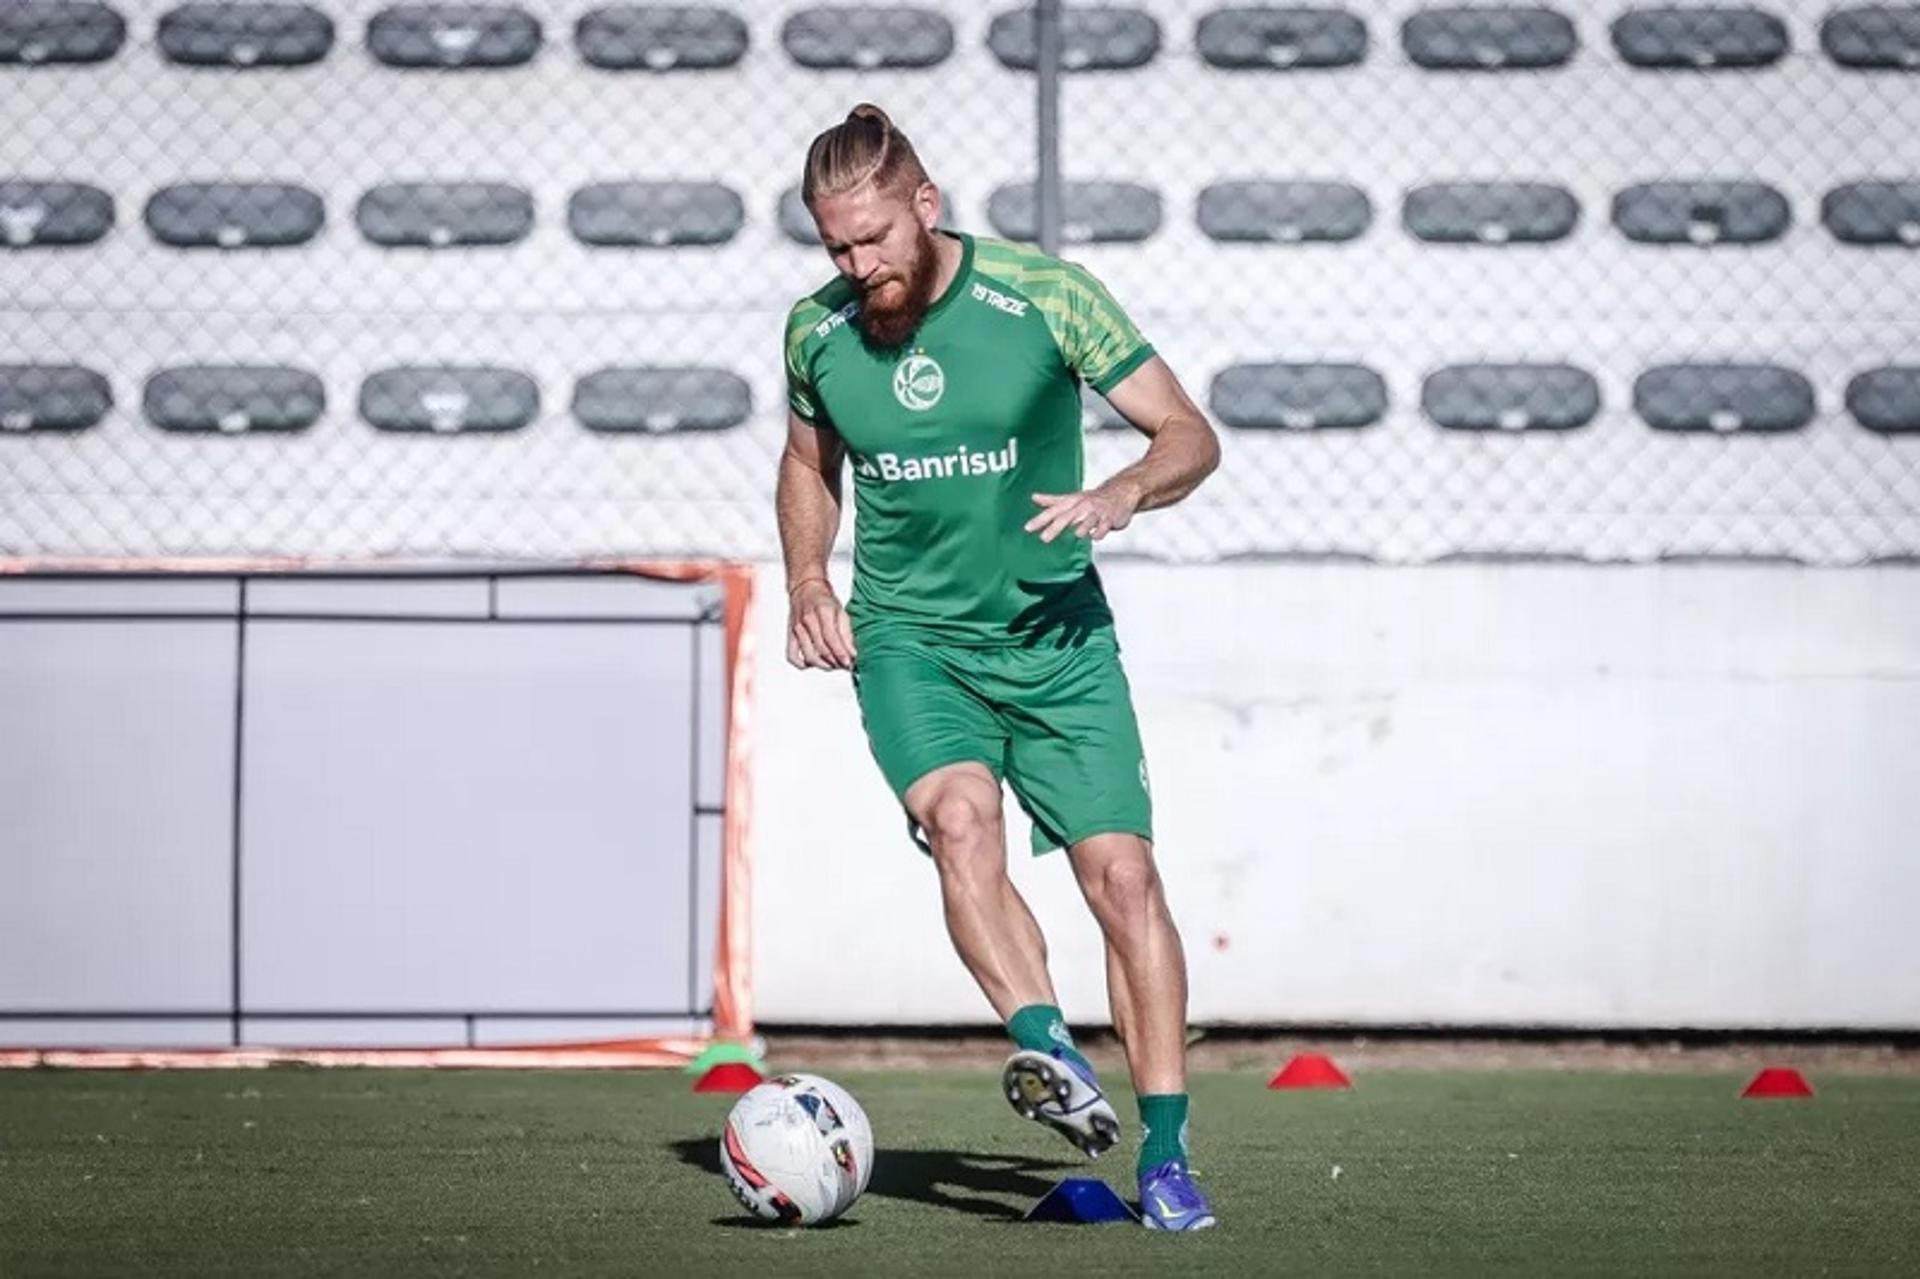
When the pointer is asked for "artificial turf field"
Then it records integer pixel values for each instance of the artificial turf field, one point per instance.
(361, 1172)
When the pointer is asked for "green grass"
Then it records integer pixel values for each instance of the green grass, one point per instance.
(387, 1172)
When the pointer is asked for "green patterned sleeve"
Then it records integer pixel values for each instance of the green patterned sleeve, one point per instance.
(800, 393)
(1102, 344)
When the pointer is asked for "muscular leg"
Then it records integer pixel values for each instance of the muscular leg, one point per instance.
(994, 932)
(1000, 942)
(1147, 980)
(1119, 998)
(1146, 968)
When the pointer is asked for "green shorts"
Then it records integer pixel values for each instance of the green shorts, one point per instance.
(1056, 724)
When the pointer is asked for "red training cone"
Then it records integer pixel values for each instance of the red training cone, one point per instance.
(1779, 1081)
(1310, 1070)
(729, 1076)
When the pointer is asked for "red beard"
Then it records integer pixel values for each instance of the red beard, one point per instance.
(891, 322)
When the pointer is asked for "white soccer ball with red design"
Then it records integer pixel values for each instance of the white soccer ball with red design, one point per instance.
(797, 1149)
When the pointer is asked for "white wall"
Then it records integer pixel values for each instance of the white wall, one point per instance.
(1471, 794)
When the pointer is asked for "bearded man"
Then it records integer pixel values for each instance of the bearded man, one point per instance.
(948, 368)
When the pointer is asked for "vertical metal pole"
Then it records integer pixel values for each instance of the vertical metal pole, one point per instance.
(1046, 15)
(236, 902)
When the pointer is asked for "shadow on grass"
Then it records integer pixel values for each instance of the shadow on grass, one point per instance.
(741, 1221)
(1000, 1186)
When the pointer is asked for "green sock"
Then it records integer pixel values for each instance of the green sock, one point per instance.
(1041, 1028)
(1163, 1116)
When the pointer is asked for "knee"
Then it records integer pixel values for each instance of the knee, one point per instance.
(1126, 893)
(964, 832)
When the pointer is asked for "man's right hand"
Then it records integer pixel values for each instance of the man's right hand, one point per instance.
(818, 633)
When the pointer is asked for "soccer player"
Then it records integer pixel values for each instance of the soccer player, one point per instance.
(948, 367)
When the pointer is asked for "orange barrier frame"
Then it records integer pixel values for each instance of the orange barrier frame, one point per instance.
(732, 962)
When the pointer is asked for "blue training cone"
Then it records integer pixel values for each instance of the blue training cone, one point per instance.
(1086, 1200)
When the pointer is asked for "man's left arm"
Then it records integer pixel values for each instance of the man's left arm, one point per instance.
(1183, 452)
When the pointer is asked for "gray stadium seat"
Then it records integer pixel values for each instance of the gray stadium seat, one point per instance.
(1105, 39)
(51, 397)
(50, 213)
(1298, 396)
(1505, 38)
(633, 37)
(1286, 212)
(867, 37)
(794, 218)
(1490, 212)
(451, 36)
(234, 399)
(1701, 213)
(439, 215)
(655, 214)
(1879, 213)
(1873, 37)
(49, 31)
(263, 215)
(1723, 397)
(449, 399)
(1510, 397)
(1098, 415)
(245, 35)
(1090, 212)
(1886, 399)
(653, 400)
(1731, 36)
(1280, 38)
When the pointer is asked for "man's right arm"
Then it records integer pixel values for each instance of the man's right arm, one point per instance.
(807, 502)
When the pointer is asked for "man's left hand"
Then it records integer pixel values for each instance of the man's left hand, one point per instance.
(1093, 513)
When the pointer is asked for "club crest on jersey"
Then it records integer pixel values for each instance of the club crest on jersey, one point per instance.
(919, 382)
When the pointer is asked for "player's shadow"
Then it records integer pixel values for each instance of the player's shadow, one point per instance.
(1060, 615)
(1002, 1186)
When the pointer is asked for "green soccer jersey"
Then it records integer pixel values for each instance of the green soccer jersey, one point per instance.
(952, 434)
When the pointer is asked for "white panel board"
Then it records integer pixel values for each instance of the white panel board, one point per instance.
(466, 817)
(116, 814)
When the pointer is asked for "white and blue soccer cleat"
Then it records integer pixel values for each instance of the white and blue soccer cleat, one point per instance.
(1170, 1201)
(1052, 1089)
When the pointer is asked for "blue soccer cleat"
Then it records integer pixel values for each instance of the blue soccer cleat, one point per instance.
(1054, 1090)
(1170, 1201)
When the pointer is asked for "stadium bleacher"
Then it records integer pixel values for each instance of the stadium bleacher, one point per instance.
(573, 226)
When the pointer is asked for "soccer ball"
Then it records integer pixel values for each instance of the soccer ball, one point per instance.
(797, 1149)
